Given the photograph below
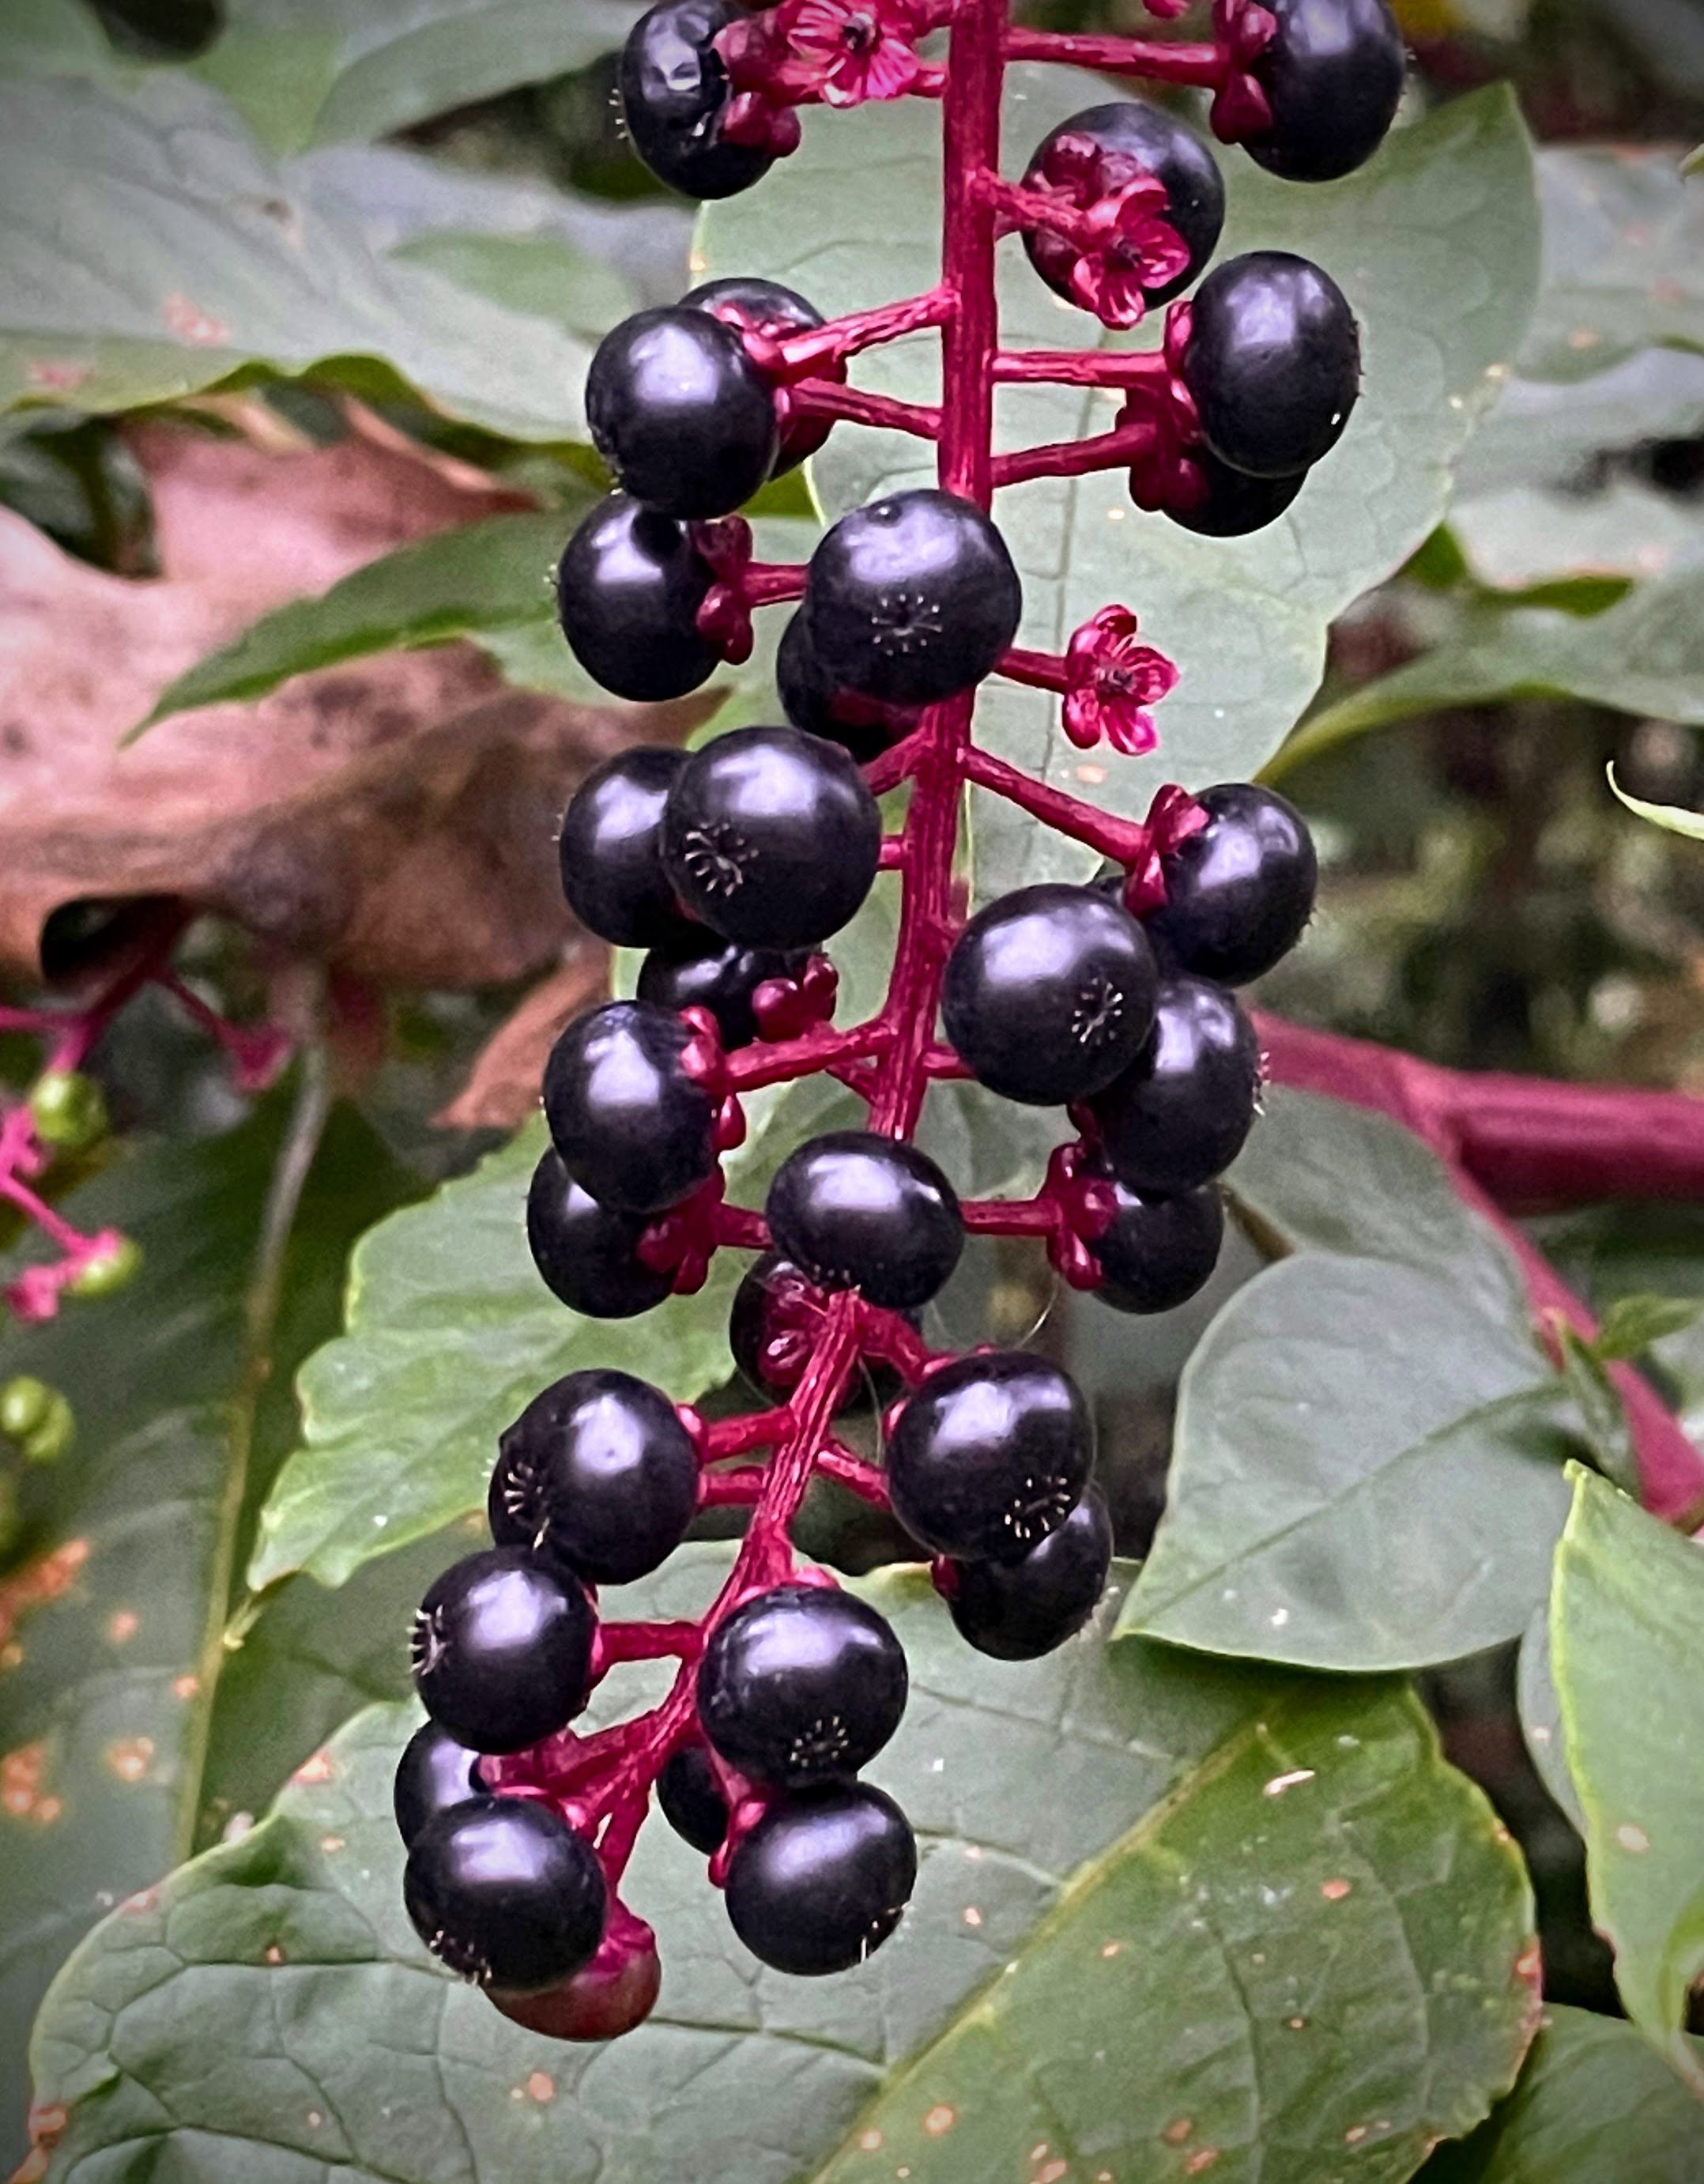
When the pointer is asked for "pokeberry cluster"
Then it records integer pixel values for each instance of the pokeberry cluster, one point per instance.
(733, 865)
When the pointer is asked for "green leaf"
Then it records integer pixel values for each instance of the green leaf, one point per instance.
(450, 1332)
(1164, 1909)
(1693, 164)
(1607, 1433)
(1436, 242)
(1536, 535)
(544, 277)
(483, 578)
(1545, 433)
(1627, 1633)
(152, 250)
(1541, 1717)
(59, 37)
(1645, 655)
(108, 1701)
(1365, 1475)
(1623, 260)
(1672, 818)
(1592, 2106)
(327, 71)
(1633, 1323)
(1321, 1175)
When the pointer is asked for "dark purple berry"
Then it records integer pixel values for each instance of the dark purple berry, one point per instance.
(1180, 1116)
(854, 1211)
(1273, 362)
(587, 1253)
(1236, 504)
(1021, 1609)
(633, 1127)
(1049, 993)
(501, 1650)
(1240, 892)
(1159, 1252)
(990, 1455)
(705, 972)
(628, 589)
(772, 836)
(1134, 139)
(1333, 75)
(811, 702)
(596, 1473)
(691, 1798)
(822, 1879)
(775, 1328)
(673, 91)
(680, 413)
(911, 598)
(767, 307)
(801, 1684)
(434, 1774)
(611, 852)
(505, 1893)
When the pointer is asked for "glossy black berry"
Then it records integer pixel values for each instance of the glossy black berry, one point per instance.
(504, 1892)
(767, 307)
(1132, 139)
(433, 1774)
(800, 1684)
(680, 413)
(912, 598)
(811, 701)
(822, 1879)
(598, 1473)
(587, 1253)
(674, 90)
(1239, 894)
(628, 589)
(1333, 75)
(859, 1212)
(501, 1650)
(611, 850)
(1020, 1609)
(691, 1798)
(1049, 993)
(1273, 362)
(777, 1326)
(1159, 1252)
(1236, 504)
(1179, 1117)
(772, 836)
(705, 972)
(632, 1126)
(990, 1455)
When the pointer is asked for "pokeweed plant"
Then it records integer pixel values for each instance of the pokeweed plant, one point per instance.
(733, 865)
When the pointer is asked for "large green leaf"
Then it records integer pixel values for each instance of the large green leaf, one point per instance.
(1320, 1175)
(1594, 2106)
(1166, 1913)
(1643, 655)
(1436, 242)
(1627, 1633)
(152, 249)
(324, 71)
(1365, 1475)
(108, 1697)
(1533, 535)
(1623, 260)
(450, 1332)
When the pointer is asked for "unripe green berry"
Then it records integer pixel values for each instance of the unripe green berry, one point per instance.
(69, 1110)
(108, 1271)
(25, 1403)
(48, 1441)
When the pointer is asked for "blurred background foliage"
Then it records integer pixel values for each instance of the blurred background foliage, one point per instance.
(1487, 901)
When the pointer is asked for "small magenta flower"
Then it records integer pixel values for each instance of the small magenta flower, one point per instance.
(1110, 682)
(1130, 248)
(844, 51)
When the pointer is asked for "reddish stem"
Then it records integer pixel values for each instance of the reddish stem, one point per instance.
(1124, 840)
(1159, 60)
(1081, 367)
(1106, 451)
(820, 398)
(802, 354)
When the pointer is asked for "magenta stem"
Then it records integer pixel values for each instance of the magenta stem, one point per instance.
(1159, 60)
(802, 355)
(1124, 840)
(821, 398)
(1081, 367)
(1106, 451)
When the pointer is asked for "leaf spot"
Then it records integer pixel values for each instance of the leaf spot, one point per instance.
(870, 2142)
(1334, 1892)
(1111, 1948)
(938, 2121)
(1199, 2163)
(129, 1758)
(541, 2086)
(316, 1769)
(1174, 2134)
(1280, 1783)
(186, 1687)
(1354, 2133)
(1053, 2172)
(122, 1627)
(972, 1916)
(1632, 1837)
(190, 323)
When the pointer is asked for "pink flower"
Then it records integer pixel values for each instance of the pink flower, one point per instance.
(1111, 681)
(1131, 248)
(846, 50)
(1172, 817)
